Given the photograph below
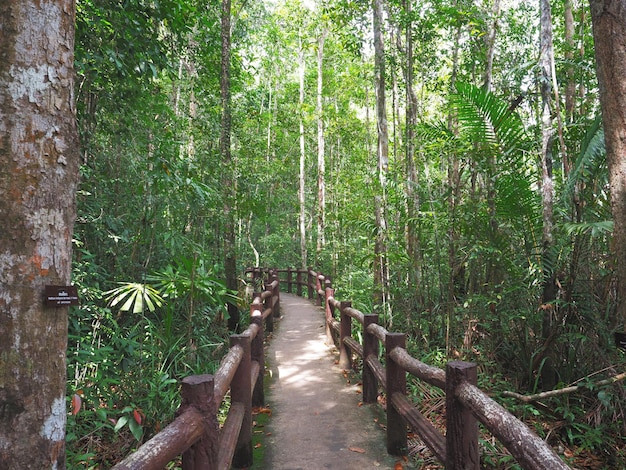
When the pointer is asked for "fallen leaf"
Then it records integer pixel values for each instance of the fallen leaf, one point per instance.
(258, 445)
(76, 403)
(356, 449)
(262, 410)
(360, 403)
(398, 466)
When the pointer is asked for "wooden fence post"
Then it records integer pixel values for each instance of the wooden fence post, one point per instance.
(370, 348)
(330, 312)
(461, 426)
(267, 303)
(299, 282)
(289, 279)
(241, 392)
(197, 392)
(257, 353)
(345, 330)
(396, 383)
(276, 294)
(310, 284)
(318, 287)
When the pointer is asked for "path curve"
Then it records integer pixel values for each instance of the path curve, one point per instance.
(316, 422)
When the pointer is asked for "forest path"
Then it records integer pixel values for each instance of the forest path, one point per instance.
(316, 422)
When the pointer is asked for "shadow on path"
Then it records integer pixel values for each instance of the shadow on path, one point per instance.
(316, 422)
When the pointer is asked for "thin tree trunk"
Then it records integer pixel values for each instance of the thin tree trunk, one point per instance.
(301, 192)
(609, 34)
(454, 187)
(491, 45)
(547, 187)
(321, 159)
(228, 183)
(39, 154)
(413, 202)
(570, 88)
(380, 248)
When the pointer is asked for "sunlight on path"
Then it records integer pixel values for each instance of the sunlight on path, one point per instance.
(317, 421)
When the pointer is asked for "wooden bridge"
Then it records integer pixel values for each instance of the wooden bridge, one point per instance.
(204, 444)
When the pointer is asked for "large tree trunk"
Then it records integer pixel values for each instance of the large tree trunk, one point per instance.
(609, 34)
(39, 154)
(228, 183)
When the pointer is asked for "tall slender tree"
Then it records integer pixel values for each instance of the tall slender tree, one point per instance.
(228, 172)
(609, 34)
(380, 248)
(40, 157)
(302, 175)
(321, 157)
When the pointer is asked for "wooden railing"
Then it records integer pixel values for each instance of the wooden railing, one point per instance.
(195, 433)
(466, 404)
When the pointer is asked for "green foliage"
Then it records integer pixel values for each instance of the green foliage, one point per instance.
(464, 255)
(134, 297)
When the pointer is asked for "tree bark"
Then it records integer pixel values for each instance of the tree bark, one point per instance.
(549, 287)
(412, 180)
(228, 183)
(302, 176)
(380, 247)
(490, 42)
(609, 34)
(39, 154)
(321, 159)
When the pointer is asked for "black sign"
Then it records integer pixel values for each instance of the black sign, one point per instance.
(61, 296)
(620, 340)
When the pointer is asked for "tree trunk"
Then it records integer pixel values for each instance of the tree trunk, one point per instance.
(549, 286)
(380, 247)
(39, 153)
(609, 34)
(490, 42)
(570, 88)
(302, 176)
(321, 162)
(413, 202)
(454, 181)
(228, 183)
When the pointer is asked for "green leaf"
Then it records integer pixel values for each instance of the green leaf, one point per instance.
(121, 423)
(135, 428)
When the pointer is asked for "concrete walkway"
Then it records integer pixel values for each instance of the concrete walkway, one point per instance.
(316, 421)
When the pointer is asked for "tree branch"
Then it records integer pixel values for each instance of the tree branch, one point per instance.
(562, 391)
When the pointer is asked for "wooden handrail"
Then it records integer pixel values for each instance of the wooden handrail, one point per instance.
(195, 432)
(465, 402)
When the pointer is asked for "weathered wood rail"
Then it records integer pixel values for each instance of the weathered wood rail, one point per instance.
(466, 404)
(195, 432)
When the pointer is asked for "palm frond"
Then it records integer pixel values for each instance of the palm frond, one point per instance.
(488, 120)
(590, 158)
